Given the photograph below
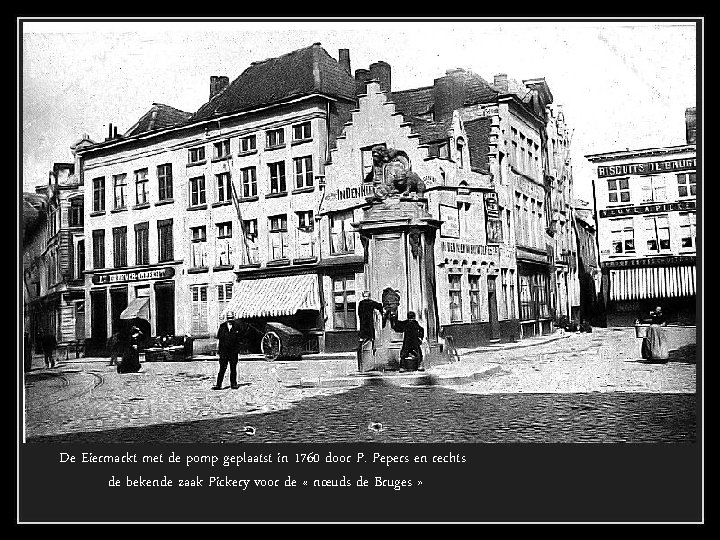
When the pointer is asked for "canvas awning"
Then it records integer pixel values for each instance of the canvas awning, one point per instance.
(138, 308)
(653, 282)
(274, 297)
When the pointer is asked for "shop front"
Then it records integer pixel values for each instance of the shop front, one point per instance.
(534, 299)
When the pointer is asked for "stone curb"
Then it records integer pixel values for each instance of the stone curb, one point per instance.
(397, 379)
(520, 345)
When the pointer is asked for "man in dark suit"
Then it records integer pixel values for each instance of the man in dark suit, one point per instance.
(410, 353)
(366, 309)
(229, 338)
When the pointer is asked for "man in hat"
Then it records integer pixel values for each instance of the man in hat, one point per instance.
(366, 309)
(228, 336)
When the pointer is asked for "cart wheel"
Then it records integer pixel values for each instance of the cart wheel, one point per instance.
(270, 346)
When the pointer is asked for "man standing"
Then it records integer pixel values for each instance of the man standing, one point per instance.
(366, 309)
(411, 352)
(49, 343)
(228, 336)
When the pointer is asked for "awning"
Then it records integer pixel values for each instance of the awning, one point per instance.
(138, 308)
(653, 282)
(274, 297)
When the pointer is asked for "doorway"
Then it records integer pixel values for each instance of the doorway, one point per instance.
(492, 308)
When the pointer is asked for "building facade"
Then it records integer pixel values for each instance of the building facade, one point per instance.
(646, 213)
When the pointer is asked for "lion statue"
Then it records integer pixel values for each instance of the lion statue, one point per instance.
(391, 174)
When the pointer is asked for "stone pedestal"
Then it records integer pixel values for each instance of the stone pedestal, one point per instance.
(399, 239)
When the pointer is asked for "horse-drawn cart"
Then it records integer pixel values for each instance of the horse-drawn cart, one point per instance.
(281, 342)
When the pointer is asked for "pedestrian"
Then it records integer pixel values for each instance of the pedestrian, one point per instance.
(366, 312)
(654, 344)
(229, 338)
(130, 362)
(411, 352)
(113, 345)
(49, 344)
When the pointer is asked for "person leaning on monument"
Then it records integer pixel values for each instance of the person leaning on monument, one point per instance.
(366, 309)
(411, 356)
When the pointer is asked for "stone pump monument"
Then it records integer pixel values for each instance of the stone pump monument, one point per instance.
(398, 235)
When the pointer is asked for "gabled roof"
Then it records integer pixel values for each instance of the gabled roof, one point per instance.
(478, 132)
(430, 131)
(159, 117)
(299, 73)
(413, 102)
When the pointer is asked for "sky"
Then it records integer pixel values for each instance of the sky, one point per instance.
(621, 84)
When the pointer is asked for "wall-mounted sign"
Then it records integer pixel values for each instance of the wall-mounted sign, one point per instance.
(450, 217)
(493, 224)
(651, 261)
(469, 249)
(136, 275)
(491, 205)
(358, 192)
(648, 209)
(650, 167)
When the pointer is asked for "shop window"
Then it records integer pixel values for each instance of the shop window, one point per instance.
(120, 187)
(303, 172)
(474, 282)
(199, 309)
(249, 182)
(279, 248)
(657, 233)
(344, 301)
(686, 184)
(454, 281)
(687, 230)
(342, 235)
(165, 182)
(618, 190)
(622, 235)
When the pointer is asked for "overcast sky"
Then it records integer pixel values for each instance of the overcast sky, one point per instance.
(622, 85)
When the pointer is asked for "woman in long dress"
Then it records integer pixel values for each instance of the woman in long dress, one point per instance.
(130, 362)
(654, 345)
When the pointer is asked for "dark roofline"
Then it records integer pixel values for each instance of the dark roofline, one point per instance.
(612, 155)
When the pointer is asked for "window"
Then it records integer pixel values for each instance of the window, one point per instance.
(141, 182)
(455, 297)
(224, 295)
(223, 245)
(515, 155)
(439, 150)
(120, 183)
(165, 182)
(119, 247)
(52, 218)
(80, 259)
(539, 283)
(199, 313)
(249, 182)
(344, 317)
(687, 230)
(301, 131)
(98, 237)
(342, 235)
(98, 194)
(196, 155)
(250, 252)
(305, 238)
(527, 307)
(505, 302)
(278, 237)
(165, 240)
(618, 190)
(460, 153)
(198, 247)
(197, 191)
(142, 253)
(75, 213)
(248, 144)
(653, 188)
(221, 149)
(367, 160)
(686, 184)
(657, 233)
(622, 234)
(224, 188)
(511, 298)
(303, 172)
(474, 282)
(527, 224)
(275, 138)
(277, 177)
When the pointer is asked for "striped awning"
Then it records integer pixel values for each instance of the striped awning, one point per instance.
(653, 282)
(137, 309)
(274, 297)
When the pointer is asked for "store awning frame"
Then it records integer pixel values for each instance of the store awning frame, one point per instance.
(652, 282)
(137, 309)
(274, 296)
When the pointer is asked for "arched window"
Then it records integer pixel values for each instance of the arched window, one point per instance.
(461, 152)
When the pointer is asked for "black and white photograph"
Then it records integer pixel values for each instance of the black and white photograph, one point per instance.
(357, 231)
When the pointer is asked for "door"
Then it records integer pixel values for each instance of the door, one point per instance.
(492, 308)
(80, 321)
(98, 322)
(118, 303)
(165, 308)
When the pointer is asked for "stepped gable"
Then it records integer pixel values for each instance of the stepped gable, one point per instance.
(159, 117)
(303, 72)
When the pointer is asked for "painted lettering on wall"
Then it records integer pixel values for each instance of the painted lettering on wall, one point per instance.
(649, 209)
(139, 275)
(359, 192)
(470, 249)
(647, 168)
(651, 261)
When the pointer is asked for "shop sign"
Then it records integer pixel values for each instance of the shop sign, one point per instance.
(450, 217)
(651, 261)
(649, 209)
(136, 275)
(468, 249)
(650, 167)
(348, 193)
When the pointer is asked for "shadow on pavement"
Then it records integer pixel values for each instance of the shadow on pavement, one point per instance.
(433, 414)
(685, 354)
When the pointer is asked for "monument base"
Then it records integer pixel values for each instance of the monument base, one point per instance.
(387, 358)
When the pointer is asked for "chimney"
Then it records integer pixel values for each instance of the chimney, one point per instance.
(218, 83)
(449, 92)
(501, 81)
(344, 60)
(115, 132)
(380, 71)
(690, 129)
(362, 76)
(109, 132)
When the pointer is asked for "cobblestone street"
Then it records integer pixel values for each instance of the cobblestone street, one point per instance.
(87, 395)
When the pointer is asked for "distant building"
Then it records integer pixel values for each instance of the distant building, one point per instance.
(589, 275)
(646, 212)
